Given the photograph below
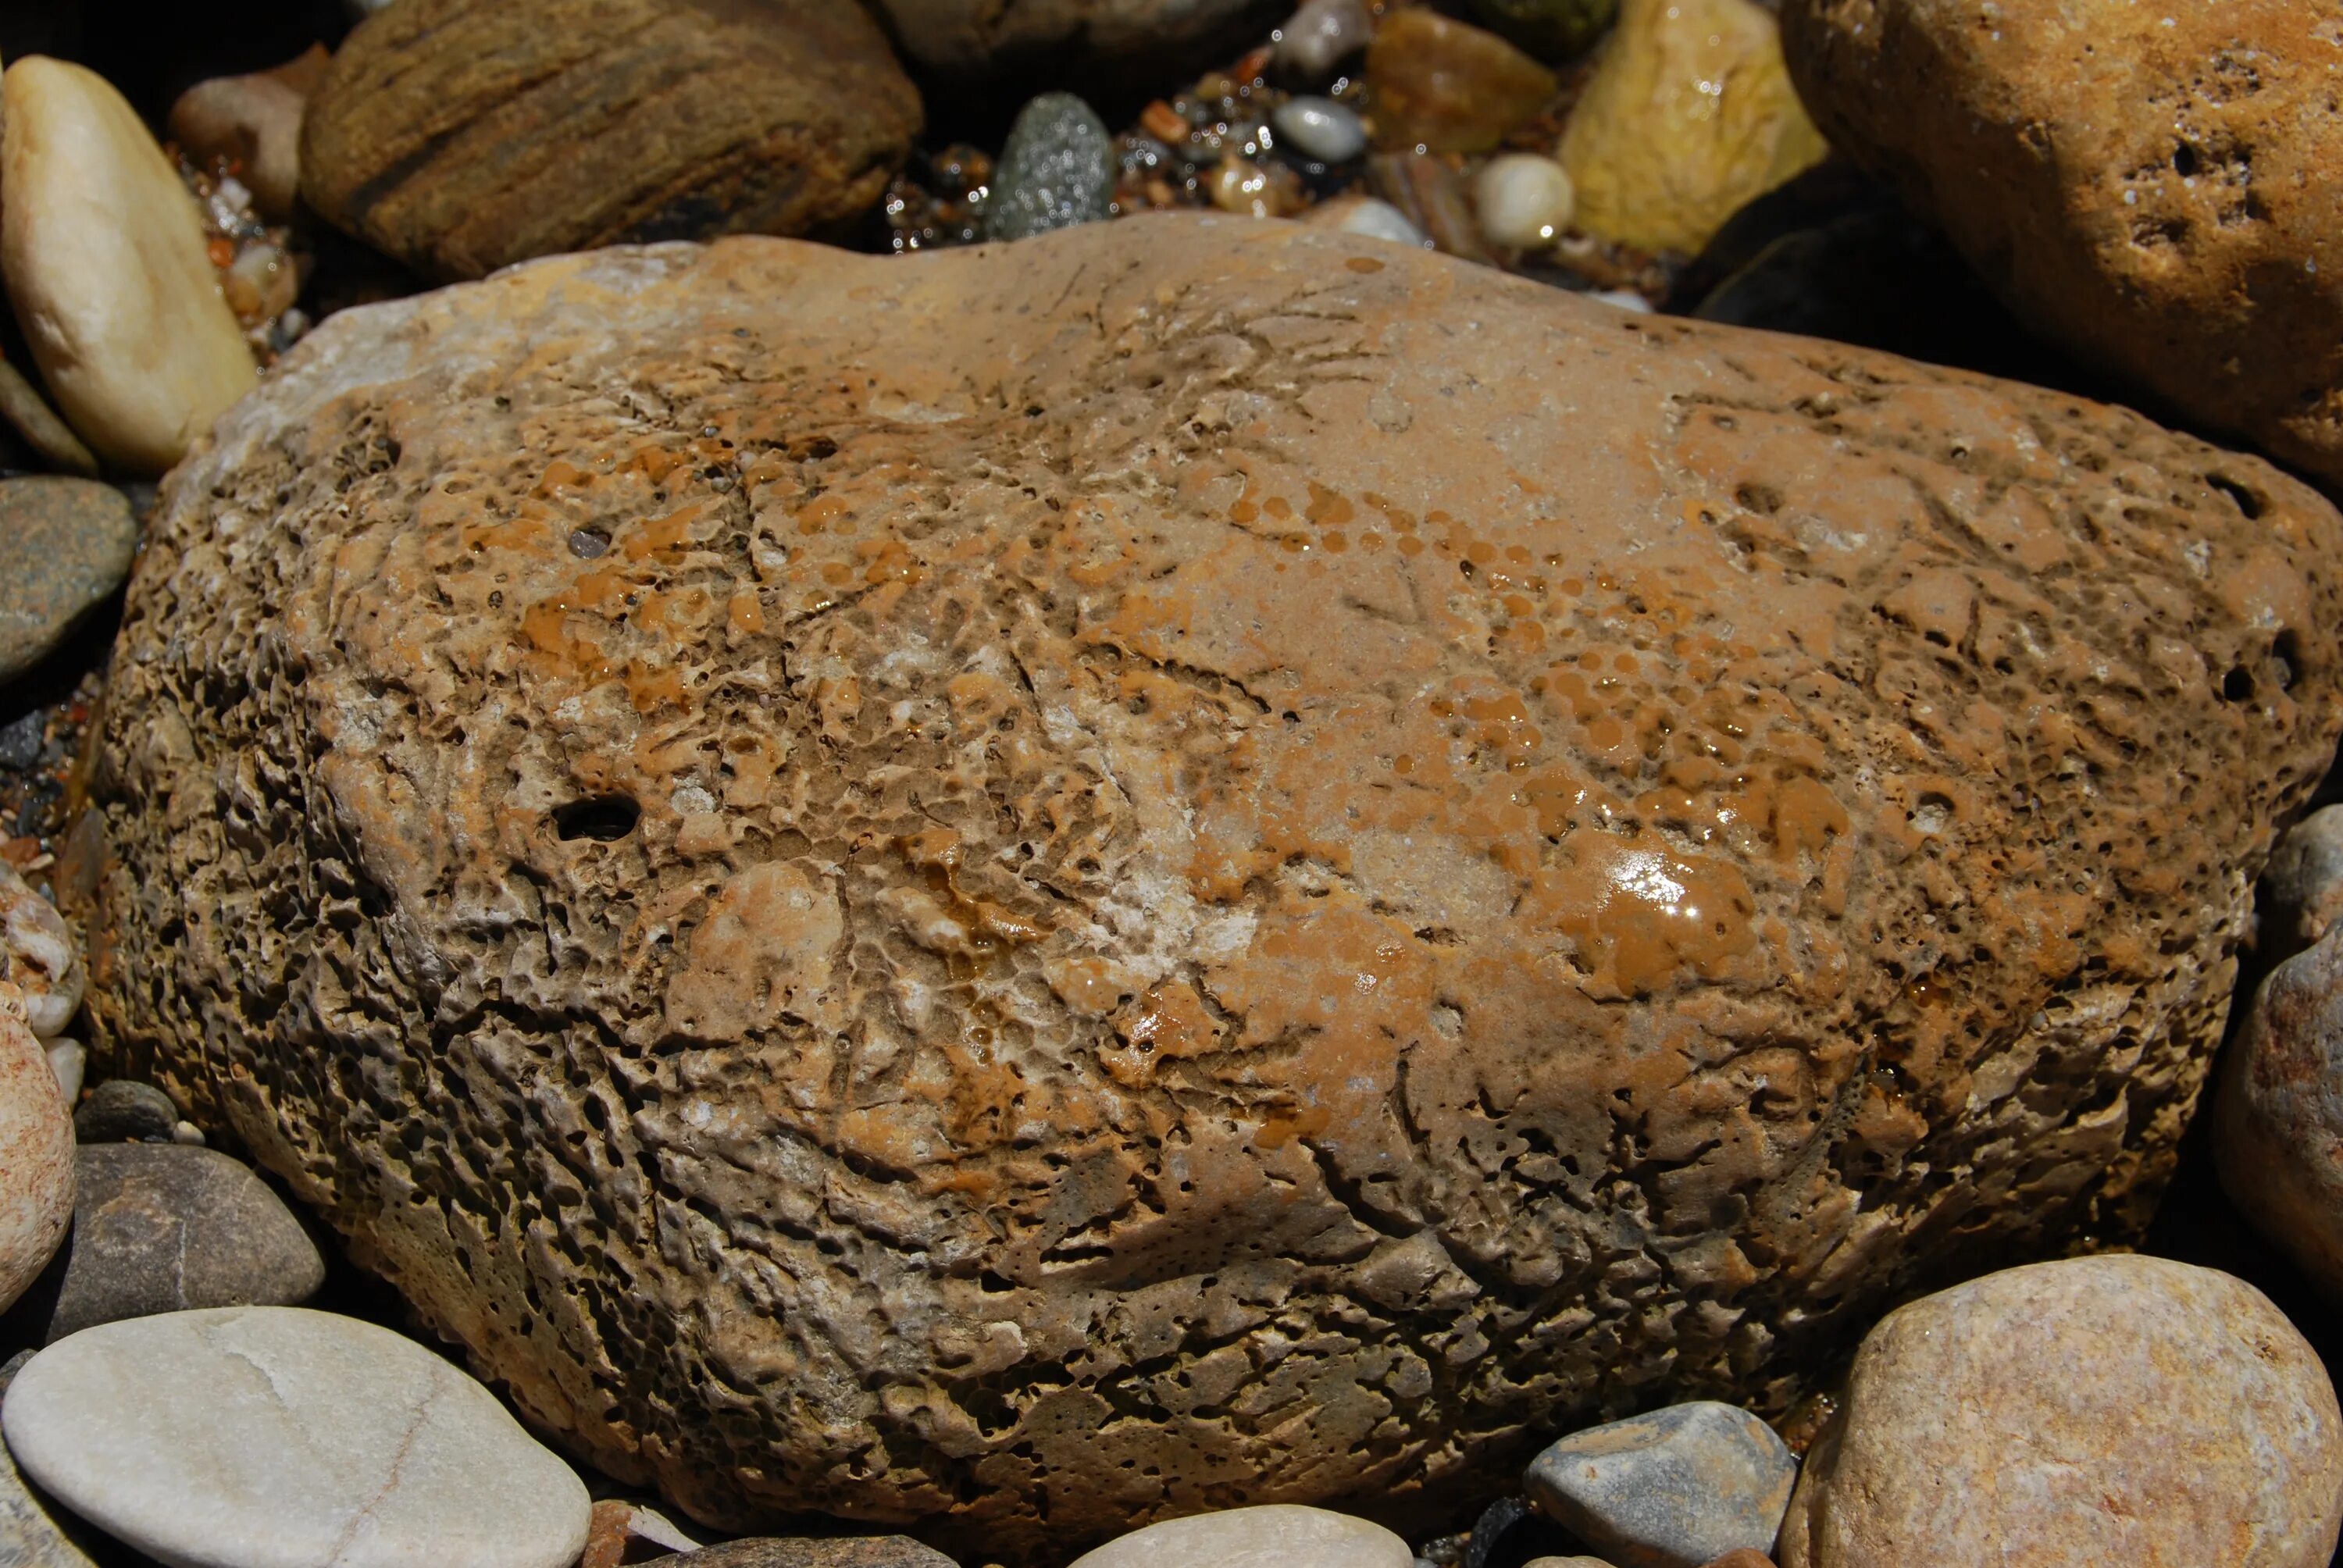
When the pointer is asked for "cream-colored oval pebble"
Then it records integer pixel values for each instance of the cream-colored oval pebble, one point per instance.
(106, 269)
(1524, 201)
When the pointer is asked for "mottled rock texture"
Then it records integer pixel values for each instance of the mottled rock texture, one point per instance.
(459, 135)
(2154, 187)
(1186, 862)
(2277, 1122)
(2109, 1410)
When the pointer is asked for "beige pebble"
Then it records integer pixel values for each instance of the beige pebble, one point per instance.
(36, 1152)
(38, 954)
(1523, 200)
(104, 259)
(2115, 1410)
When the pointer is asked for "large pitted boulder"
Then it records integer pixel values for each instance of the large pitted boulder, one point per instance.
(2155, 186)
(1187, 862)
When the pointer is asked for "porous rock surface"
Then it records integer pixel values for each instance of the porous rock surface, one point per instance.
(2154, 187)
(1183, 863)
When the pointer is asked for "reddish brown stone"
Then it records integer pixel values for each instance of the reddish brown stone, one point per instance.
(1024, 891)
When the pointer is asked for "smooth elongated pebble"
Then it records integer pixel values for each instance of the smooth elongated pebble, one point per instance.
(1056, 170)
(2277, 1115)
(1523, 200)
(2110, 1409)
(36, 1153)
(1672, 1489)
(1566, 1563)
(622, 1529)
(2302, 890)
(30, 1536)
(163, 1228)
(1273, 1535)
(38, 953)
(104, 259)
(808, 1551)
(69, 1060)
(1329, 132)
(276, 1437)
(66, 545)
(255, 122)
(124, 1111)
(22, 405)
(1370, 215)
(1321, 35)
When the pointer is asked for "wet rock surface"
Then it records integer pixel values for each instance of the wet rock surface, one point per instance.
(269, 1437)
(460, 138)
(2153, 188)
(1279, 954)
(161, 1228)
(1057, 170)
(1674, 1489)
(2156, 1414)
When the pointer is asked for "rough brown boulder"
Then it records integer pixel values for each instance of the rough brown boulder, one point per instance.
(1191, 862)
(2155, 186)
(461, 135)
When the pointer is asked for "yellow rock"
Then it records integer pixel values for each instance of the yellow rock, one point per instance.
(104, 253)
(1689, 115)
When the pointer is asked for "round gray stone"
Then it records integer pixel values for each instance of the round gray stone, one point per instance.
(64, 547)
(163, 1228)
(1057, 170)
(1673, 1489)
(276, 1437)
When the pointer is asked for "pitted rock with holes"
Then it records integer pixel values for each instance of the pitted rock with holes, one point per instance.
(1243, 864)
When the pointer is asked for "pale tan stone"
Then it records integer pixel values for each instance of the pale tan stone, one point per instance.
(104, 259)
(36, 1152)
(2107, 1410)
(1689, 115)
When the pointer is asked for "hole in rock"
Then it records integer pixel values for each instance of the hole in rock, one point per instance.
(2237, 686)
(604, 817)
(2248, 502)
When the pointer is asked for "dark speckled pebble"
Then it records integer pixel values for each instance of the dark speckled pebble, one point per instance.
(64, 547)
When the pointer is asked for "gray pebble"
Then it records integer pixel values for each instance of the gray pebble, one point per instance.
(64, 547)
(20, 741)
(124, 1111)
(1674, 1489)
(1057, 170)
(1321, 128)
(159, 1228)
